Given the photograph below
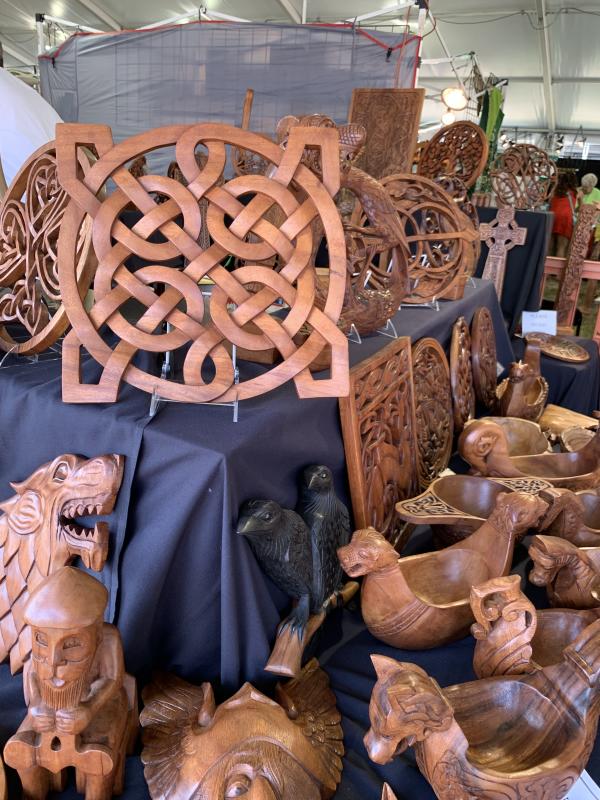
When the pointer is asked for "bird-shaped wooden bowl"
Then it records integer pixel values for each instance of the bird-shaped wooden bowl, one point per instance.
(574, 516)
(484, 446)
(518, 736)
(455, 506)
(570, 574)
(524, 392)
(423, 601)
(524, 437)
(512, 637)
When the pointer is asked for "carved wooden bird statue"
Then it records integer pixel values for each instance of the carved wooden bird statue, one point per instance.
(329, 524)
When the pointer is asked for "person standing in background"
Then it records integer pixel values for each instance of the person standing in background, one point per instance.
(562, 206)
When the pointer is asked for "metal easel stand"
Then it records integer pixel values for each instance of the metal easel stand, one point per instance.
(156, 401)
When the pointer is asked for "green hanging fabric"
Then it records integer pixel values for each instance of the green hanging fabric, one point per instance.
(495, 114)
(485, 111)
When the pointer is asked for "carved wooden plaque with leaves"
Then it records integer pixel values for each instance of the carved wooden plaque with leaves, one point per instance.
(378, 425)
(391, 118)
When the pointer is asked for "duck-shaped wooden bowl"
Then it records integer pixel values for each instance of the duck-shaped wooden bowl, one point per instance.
(423, 601)
(524, 392)
(570, 574)
(512, 636)
(574, 516)
(455, 506)
(508, 738)
(484, 446)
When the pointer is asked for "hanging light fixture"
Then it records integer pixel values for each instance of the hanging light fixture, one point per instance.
(455, 98)
(448, 118)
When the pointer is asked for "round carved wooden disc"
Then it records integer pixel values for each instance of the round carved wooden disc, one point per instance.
(559, 347)
(523, 176)
(31, 215)
(483, 356)
(461, 375)
(433, 409)
(460, 150)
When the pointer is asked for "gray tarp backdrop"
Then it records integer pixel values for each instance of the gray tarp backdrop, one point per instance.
(199, 72)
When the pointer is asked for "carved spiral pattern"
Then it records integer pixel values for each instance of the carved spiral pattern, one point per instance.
(440, 236)
(30, 219)
(523, 176)
(433, 409)
(559, 347)
(461, 374)
(459, 150)
(297, 193)
(483, 356)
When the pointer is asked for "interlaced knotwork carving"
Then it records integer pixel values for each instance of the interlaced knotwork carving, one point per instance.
(429, 505)
(433, 409)
(500, 235)
(459, 150)
(461, 374)
(523, 176)
(379, 438)
(299, 194)
(483, 357)
(391, 118)
(457, 190)
(30, 218)
(558, 347)
(440, 235)
(570, 282)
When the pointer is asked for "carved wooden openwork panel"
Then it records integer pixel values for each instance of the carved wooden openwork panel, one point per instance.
(523, 176)
(460, 150)
(177, 318)
(568, 290)
(433, 409)
(31, 215)
(461, 374)
(458, 192)
(391, 118)
(378, 426)
(483, 356)
(441, 238)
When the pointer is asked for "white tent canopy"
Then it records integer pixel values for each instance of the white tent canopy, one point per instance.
(547, 49)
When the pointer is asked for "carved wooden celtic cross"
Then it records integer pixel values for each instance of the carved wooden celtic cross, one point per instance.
(501, 235)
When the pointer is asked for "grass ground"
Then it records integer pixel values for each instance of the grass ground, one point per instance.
(589, 314)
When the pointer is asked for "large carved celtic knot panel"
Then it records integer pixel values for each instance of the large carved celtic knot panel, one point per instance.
(459, 150)
(378, 427)
(30, 219)
(241, 296)
(523, 176)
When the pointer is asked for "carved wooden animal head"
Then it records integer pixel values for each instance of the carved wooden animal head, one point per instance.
(38, 534)
(516, 512)
(519, 371)
(406, 707)
(248, 746)
(550, 555)
(368, 551)
(478, 440)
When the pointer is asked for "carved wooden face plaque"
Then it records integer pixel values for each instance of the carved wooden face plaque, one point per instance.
(461, 374)
(433, 409)
(523, 176)
(441, 238)
(391, 118)
(301, 196)
(31, 215)
(378, 427)
(483, 356)
(458, 150)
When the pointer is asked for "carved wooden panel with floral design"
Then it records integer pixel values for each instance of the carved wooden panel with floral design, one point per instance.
(391, 118)
(378, 425)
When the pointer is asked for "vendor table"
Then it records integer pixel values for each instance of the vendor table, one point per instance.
(524, 264)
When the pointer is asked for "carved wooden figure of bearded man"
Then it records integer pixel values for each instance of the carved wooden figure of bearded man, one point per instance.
(81, 703)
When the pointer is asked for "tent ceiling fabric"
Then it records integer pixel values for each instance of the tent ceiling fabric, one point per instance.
(508, 46)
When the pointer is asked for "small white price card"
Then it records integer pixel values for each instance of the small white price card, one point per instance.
(584, 789)
(539, 322)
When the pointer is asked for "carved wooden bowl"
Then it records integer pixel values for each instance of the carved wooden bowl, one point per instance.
(570, 574)
(556, 419)
(556, 629)
(575, 438)
(524, 437)
(574, 516)
(455, 506)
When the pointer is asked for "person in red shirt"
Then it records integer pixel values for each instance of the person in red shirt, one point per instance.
(562, 206)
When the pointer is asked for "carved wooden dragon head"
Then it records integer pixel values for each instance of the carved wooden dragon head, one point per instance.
(368, 551)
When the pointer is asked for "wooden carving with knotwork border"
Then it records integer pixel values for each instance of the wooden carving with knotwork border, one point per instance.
(440, 236)
(523, 176)
(31, 215)
(458, 150)
(299, 193)
(483, 356)
(568, 290)
(457, 190)
(391, 118)
(433, 409)
(378, 426)
(461, 374)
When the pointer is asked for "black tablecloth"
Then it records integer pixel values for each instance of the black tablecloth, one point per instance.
(187, 593)
(524, 264)
(574, 386)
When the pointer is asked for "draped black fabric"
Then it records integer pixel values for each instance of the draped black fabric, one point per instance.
(524, 263)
